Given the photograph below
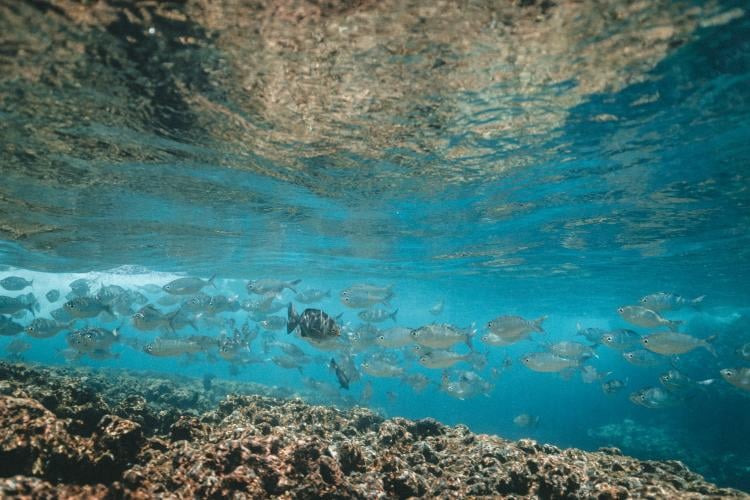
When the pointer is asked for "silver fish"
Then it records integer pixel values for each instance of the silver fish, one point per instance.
(365, 295)
(515, 328)
(188, 286)
(398, 336)
(311, 296)
(52, 296)
(641, 357)
(269, 285)
(665, 301)
(42, 328)
(15, 283)
(676, 381)
(81, 287)
(11, 305)
(377, 315)
(437, 309)
(17, 346)
(654, 397)
(92, 339)
(646, 318)
(8, 327)
(548, 362)
(86, 307)
(526, 421)
(442, 335)
(273, 323)
(669, 343)
(738, 377)
(574, 350)
(445, 359)
(161, 347)
(613, 386)
(620, 340)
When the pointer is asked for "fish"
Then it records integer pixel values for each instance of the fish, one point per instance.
(81, 287)
(52, 296)
(676, 343)
(365, 295)
(312, 323)
(273, 323)
(548, 362)
(42, 328)
(443, 335)
(445, 359)
(590, 374)
(15, 283)
(162, 347)
(620, 339)
(287, 348)
(8, 327)
(417, 381)
(593, 335)
(570, 349)
(743, 351)
(270, 285)
(641, 357)
(266, 305)
(395, 337)
(381, 367)
(514, 328)
(377, 315)
(363, 337)
(467, 385)
(288, 362)
(149, 318)
(654, 397)
(613, 386)
(311, 296)
(738, 377)
(526, 421)
(92, 339)
(11, 305)
(646, 318)
(188, 286)
(86, 307)
(341, 375)
(665, 301)
(437, 309)
(676, 381)
(17, 346)
(61, 315)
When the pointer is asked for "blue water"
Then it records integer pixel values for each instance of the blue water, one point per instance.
(633, 188)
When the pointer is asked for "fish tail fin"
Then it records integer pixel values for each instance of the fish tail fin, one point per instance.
(708, 344)
(291, 285)
(393, 315)
(470, 336)
(292, 319)
(211, 281)
(30, 307)
(538, 324)
(697, 302)
(170, 321)
(674, 324)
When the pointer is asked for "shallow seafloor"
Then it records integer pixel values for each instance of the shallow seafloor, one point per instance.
(112, 434)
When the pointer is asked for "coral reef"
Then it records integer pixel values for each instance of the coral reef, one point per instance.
(76, 433)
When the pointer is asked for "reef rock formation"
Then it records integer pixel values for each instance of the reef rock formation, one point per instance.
(257, 446)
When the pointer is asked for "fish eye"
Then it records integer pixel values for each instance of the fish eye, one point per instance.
(423, 358)
(645, 341)
(643, 300)
(620, 309)
(609, 338)
(382, 337)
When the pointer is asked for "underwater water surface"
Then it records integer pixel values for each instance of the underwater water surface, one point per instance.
(459, 171)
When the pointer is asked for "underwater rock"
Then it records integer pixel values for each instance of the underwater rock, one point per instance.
(259, 446)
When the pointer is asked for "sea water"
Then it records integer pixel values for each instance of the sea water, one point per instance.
(526, 160)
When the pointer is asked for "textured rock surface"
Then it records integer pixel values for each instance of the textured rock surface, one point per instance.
(257, 446)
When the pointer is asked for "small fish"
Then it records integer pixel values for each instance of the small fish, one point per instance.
(312, 323)
(52, 296)
(654, 397)
(273, 323)
(12, 305)
(86, 307)
(81, 287)
(188, 286)
(446, 359)
(311, 296)
(267, 304)
(641, 357)
(379, 367)
(365, 295)
(17, 346)
(264, 286)
(526, 421)
(395, 337)
(61, 315)
(92, 339)
(743, 351)
(341, 376)
(738, 377)
(287, 362)
(664, 301)
(42, 328)
(437, 309)
(646, 318)
(443, 336)
(162, 347)
(8, 327)
(676, 343)
(288, 348)
(613, 386)
(573, 350)
(467, 385)
(417, 381)
(593, 335)
(514, 328)
(620, 340)
(149, 318)
(548, 362)
(675, 381)
(15, 283)
(377, 315)
(590, 374)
